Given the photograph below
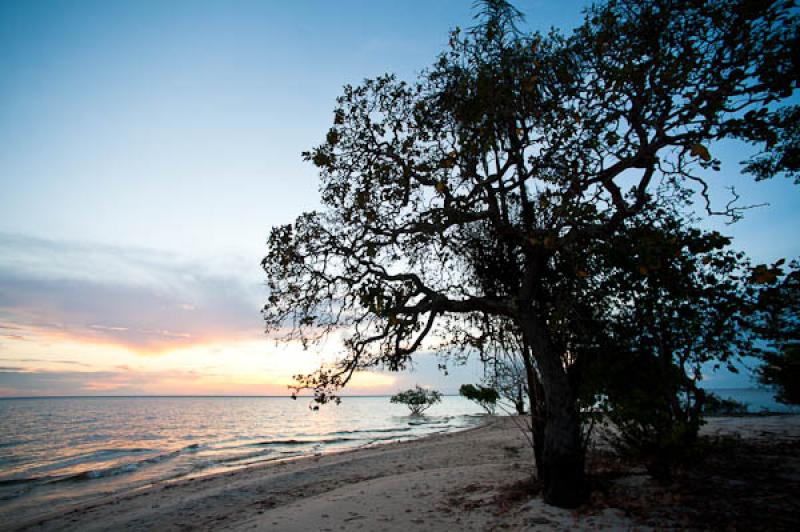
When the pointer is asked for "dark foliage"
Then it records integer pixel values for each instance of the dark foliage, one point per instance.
(777, 319)
(493, 189)
(486, 397)
(718, 406)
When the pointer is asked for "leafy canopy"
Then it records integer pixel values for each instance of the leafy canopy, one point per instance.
(777, 319)
(547, 143)
(488, 194)
(417, 399)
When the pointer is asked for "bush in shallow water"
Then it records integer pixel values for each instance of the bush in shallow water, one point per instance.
(485, 396)
(417, 399)
(716, 406)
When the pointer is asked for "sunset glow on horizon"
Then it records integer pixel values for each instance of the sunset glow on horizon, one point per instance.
(138, 322)
(225, 367)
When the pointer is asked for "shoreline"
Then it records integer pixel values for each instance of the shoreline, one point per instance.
(58, 518)
(66, 461)
(472, 479)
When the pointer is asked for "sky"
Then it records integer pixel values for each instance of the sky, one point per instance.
(147, 147)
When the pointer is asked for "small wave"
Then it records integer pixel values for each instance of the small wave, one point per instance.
(427, 422)
(123, 450)
(292, 441)
(100, 455)
(385, 438)
(239, 457)
(362, 431)
(129, 467)
(92, 474)
(17, 481)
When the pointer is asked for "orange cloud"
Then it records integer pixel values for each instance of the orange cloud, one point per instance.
(143, 341)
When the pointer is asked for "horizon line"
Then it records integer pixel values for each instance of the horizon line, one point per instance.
(233, 396)
(189, 396)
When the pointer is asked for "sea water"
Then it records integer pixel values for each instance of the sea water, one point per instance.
(58, 451)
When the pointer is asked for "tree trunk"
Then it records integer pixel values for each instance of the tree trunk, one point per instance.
(562, 470)
(561, 465)
(536, 402)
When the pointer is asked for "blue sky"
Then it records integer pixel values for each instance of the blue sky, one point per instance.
(146, 147)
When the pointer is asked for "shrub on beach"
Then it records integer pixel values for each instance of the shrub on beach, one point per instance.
(417, 399)
(652, 410)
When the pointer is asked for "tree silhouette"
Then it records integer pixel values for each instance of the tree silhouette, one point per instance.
(548, 144)
(417, 399)
(777, 320)
(485, 396)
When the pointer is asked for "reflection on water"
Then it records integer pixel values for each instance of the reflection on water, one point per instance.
(63, 449)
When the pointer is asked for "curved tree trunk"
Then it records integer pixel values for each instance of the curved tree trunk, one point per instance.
(537, 408)
(561, 464)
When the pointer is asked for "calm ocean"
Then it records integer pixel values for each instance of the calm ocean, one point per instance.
(61, 450)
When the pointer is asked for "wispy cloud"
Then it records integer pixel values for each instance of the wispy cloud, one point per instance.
(46, 361)
(144, 300)
(22, 382)
(87, 311)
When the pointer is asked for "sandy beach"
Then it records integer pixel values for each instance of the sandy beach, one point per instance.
(477, 479)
